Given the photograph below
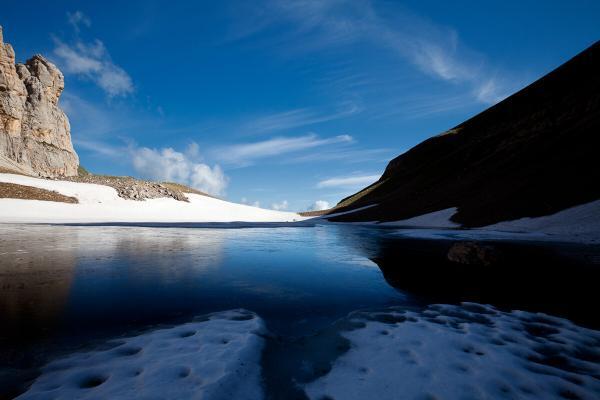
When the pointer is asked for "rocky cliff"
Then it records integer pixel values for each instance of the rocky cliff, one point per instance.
(533, 154)
(35, 133)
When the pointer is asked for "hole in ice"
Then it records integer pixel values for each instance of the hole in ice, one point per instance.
(537, 329)
(573, 379)
(567, 394)
(468, 349)
(187, 334)
(184, 372)
(587, 354)
(505, 389)
(526, 390)
(92, 381)
(388, 318)
(461, 367)
(242, 317)
(560, 362)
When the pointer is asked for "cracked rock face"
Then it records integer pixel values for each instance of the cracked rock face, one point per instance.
(35, 135)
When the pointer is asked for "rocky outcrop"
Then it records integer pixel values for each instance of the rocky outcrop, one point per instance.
(35, 133)
(473, 253)
(135, 189)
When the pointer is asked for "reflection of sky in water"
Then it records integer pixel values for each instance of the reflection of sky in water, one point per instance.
(101, 281)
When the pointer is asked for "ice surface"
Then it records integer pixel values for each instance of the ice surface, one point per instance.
(215, 358)
(463, 352)
(99, 203)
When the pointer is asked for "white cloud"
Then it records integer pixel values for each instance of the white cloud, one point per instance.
(348, 181)
(244, 154)
(280, 206)
(170, 165)
(77, 19)
(92, 61)
(319, 205)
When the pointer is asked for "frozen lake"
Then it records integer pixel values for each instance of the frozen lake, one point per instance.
(70, 288)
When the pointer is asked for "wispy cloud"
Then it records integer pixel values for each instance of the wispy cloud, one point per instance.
(347, 155)
(77, 19)
(295, 118)
(100, 148)
(91, 61)
(245, 154)
(166, 164)
(435, 50)
(348, 181)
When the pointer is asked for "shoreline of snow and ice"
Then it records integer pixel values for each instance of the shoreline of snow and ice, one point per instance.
(579, 224)
(101, 204)
(465, 351)
(455, 351)
(216, 357)
(582, 220)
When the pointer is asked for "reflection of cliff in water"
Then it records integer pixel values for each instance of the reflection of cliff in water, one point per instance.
(41, 266)
(36, 273)
(555, 278)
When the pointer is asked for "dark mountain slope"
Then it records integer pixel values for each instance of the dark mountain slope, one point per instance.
(533, 154)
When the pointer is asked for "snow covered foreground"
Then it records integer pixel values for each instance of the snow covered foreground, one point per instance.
(101, 204)
(463, 352)
(217, 358)
(442, 352)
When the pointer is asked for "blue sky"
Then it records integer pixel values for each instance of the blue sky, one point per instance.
(289, 104)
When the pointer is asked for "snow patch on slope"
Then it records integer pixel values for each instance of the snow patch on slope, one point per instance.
(99, 203)
(469, 351)
(582, 220)
(337, 214)
(436, 219)
(217, 358)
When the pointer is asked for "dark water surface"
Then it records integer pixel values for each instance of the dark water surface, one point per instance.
(69, 288)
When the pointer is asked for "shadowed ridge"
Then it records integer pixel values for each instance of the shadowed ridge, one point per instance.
(532, 154)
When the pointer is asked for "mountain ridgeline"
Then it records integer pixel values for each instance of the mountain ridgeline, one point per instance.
(533, 154)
